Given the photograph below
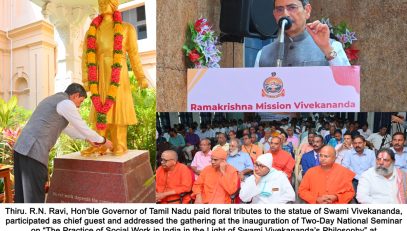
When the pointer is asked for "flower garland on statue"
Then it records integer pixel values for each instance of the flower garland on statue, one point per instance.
(201, 48)
(103, 108)
(345, 36)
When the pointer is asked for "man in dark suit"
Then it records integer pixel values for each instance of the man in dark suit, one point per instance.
(311, 159)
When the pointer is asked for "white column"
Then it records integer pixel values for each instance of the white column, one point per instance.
(69, 19)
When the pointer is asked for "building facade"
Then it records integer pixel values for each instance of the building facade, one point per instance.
(41, 43)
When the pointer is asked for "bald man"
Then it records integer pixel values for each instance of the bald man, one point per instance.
(172, 179)
(217, 182)
(329, 183)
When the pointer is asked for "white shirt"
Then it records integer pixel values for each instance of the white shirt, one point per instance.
(340, 152)
(282, 191)
(167, 136)
(211, 133)
(377, 189)
(77, 128)
(365, 134)
(224, 147)
(377, 139)
(265, 146)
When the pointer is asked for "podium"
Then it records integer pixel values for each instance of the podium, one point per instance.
(102, 179)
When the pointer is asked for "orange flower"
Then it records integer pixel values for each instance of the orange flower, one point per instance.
(112, 91)
(91, 57)
(93, 88)
(92, 31)
(117, 58)
(118, 28)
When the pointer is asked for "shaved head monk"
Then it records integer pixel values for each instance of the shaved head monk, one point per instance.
(217, 182)
(172, 179)
(329, 183)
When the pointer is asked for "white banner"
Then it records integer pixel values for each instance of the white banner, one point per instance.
(284, 89)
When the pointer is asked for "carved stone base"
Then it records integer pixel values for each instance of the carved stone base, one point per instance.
(102, 179)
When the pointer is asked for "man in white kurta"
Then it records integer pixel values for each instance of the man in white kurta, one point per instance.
(382, 184)
(267, 185)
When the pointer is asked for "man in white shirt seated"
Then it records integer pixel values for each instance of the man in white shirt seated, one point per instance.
(383, 183)
(267, 185)
(377, 138)
(365, 131)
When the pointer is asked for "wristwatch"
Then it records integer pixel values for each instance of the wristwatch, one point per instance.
(331, 55)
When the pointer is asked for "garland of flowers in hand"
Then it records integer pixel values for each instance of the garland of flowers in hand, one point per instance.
(103, 108)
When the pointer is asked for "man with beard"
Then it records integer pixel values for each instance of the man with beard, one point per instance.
(383, 183)
(400, 151)
(311, 159)
(329, 183)
(238, 159)
(267, 185)
(359, 159)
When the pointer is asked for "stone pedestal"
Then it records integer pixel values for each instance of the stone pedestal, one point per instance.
(102, 179)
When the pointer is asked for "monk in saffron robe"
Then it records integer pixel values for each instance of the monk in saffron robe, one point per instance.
(282, 160)
(172, 179)
(329, 183)
(217, 182)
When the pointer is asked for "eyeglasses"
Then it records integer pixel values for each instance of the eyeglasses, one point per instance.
(165, 161)
(292, 8)
(257, 165)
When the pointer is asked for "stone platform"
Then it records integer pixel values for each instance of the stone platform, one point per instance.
(102, 179)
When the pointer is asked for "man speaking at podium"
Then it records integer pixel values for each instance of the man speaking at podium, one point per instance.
(304, 44)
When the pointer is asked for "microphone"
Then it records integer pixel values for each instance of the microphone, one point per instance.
(284, 23)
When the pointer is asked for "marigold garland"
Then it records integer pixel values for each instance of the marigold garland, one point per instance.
(103, 108)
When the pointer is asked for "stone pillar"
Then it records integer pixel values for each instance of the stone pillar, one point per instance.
(4, 66)
(69, 21)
